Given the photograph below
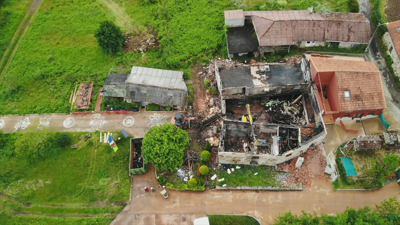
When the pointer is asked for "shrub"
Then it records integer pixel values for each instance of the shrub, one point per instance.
(354, 6)
(169, 108)
(152, 107)
(204, 170)
(63, 140)
(207, 83)
(213, 90)
(162, 180)
(208, 146)
(110, 37)
(205, 155)
(192, 182)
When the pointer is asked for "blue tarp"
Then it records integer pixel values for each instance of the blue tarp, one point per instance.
(349, 167)
(384, 122)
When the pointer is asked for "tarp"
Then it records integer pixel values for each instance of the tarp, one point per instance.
(349, 167)
(384, 122)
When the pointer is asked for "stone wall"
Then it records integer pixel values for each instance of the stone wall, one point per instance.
(392, 52)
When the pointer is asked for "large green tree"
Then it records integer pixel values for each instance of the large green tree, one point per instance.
(110, 37)
(164, 146)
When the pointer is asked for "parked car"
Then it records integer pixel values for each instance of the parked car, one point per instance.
(164, 193)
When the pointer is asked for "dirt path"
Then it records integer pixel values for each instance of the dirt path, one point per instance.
(199, 90)
(33, 9)
(392, 10)
(122, 18)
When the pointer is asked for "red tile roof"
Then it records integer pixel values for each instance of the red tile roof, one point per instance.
(275, 28)
(366, 90)
(361, 78)
(394, 31)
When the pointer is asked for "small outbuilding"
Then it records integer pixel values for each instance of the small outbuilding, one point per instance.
(148, 85)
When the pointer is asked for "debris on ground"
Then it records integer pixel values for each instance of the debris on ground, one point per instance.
(313, 167)
(294, 60)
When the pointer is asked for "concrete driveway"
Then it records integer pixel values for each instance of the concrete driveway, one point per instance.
(182, 207)
(111, 122)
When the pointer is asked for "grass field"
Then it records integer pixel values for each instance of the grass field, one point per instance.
(11, 14)
(59, 50)
(89, 181)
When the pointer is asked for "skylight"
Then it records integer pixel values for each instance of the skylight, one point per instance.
(347, 94)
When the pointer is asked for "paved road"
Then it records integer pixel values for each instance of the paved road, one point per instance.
(182, 207)
(83, 122)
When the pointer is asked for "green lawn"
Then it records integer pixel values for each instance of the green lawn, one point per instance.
(231, 220)
(89, 181)
(245, 176)
(11, 14)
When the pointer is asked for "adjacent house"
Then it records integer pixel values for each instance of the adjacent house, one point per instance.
(277, 29)
(148, 85)
(392, 40)
(346, 88)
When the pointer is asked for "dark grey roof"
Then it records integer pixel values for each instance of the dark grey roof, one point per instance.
(248, 76)
(115, 85)
(157, 78)
(242, 39)
(115, 79)
(135, 92)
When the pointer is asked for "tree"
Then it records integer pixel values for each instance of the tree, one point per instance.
(110, 37)
(63, 140)
(205, 155)
(389, 206)
(385, 168)
(354, 6)
(192, 182)
(349, 216)
(204, 170)
(164, 146)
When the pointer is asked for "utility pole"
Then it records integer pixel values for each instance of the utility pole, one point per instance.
(369, 43)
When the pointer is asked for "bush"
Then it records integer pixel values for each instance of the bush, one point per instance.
(205, 155)
(208, 146)
(162, 180)
(185, 187)
(153, 107)
(110, 37)
(169, 108)
(354, 6)
(213, 90)
(63, 140)
(207, 83)
(204, 170)
(192, 182)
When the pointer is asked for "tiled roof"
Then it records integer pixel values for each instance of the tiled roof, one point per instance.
(334, 64)
(366, 90)
(275, 28)
(394, 31)
(234, 14)
(361, 78)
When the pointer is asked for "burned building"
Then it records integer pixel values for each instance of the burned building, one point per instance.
(271, 113)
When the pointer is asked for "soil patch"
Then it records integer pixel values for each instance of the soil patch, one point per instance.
(139, 41)
(199, 106)
(392, 10)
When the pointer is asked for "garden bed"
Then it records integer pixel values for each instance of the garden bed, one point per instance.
(119, 104)
(249, 176)
(155, 107)
(174, 179)
(374, 167)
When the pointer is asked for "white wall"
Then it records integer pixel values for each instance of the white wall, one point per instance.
(235, 22)
(305, 44)
(393, 54)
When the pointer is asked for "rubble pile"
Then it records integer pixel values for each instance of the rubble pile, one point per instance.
(282, 112)
(313, 167)
(84, 96)
(294, 61)
(140, 42)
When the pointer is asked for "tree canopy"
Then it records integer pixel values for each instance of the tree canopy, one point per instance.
(164, 146)
(385, 213)
(110, 37)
